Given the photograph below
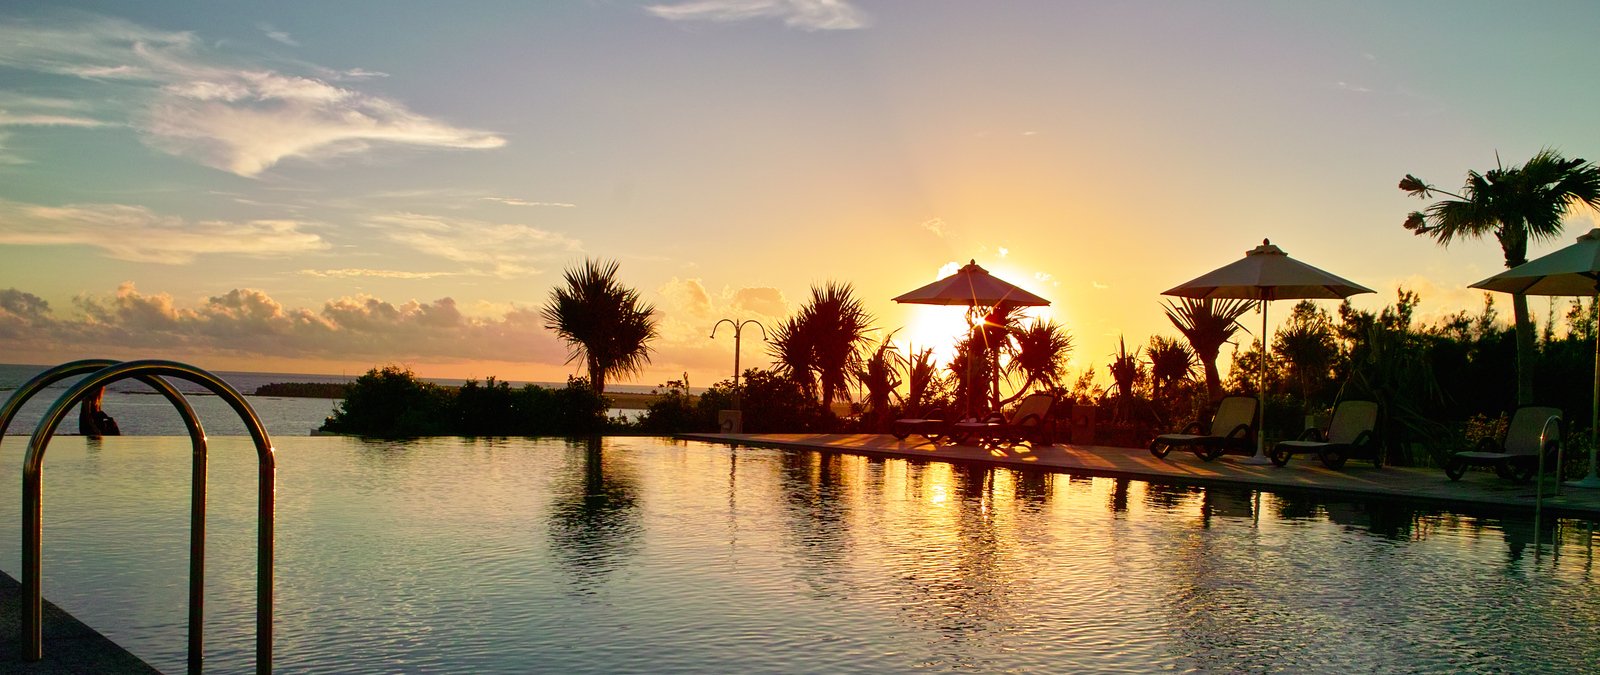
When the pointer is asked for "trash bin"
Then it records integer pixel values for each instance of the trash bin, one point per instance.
(1082, 429)
(730, 421)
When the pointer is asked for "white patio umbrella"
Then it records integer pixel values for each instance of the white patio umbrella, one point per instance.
(972, 286)
(1267, 273)
(1574, 270)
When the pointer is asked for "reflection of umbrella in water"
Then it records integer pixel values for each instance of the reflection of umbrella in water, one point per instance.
(972, 286)
(1574, 270)
(1266, 273)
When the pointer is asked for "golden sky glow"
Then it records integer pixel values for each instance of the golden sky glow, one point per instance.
(301, 187)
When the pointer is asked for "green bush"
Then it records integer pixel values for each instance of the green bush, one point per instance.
(392, 403)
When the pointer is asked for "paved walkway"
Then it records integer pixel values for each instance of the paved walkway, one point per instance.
(1478, 489)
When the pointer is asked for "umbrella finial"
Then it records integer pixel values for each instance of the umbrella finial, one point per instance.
(1266, 242)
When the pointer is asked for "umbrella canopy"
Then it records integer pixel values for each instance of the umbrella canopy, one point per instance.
(1267, 273)
(1568, 271)
(972, 286)
(1573, 270)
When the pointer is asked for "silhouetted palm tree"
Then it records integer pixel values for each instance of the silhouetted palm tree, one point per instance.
(824, 340)
(880, 375)
(792, 356)
(1171, 362)
(1516, 204)
(1208, 324)
(602, 322)
(1042, 349)
(1126, 372)
(1306, 344)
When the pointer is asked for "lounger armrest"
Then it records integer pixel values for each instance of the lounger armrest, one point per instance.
(1312, 434)
(1363, 439)
(1193, 428)
(1240, 432)
(1030, 418)
(1488, 445)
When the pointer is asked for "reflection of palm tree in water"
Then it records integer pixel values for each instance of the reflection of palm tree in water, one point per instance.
(816, 515)
(594, 519)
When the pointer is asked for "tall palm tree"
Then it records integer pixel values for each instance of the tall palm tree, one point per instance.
(602, 321)
(1207, 325)
(1516, 204)
(821, 346)
(790, 347)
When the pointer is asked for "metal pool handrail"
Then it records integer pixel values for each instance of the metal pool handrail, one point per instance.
(1538, 492)
(33, 511)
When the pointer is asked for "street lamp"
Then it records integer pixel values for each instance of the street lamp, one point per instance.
(738, 329)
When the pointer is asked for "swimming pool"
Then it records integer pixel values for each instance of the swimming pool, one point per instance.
(651, 555)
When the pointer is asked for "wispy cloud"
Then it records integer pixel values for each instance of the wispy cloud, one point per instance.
(505, 250)
(934, 225)
(354, 272)
(512, 201)
(802, 14)
(277, 35)
(138, 234)
(238, 117)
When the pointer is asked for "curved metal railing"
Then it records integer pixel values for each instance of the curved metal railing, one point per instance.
(99, 373)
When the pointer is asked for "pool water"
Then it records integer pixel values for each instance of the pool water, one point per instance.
(652, 555)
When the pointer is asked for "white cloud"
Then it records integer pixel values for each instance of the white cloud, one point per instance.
(1004, 251)
(354, 272)
(138, 234)
(235, 117)
(934, 225)
(802, 14)
(1099, 286)
(277, 35)
(11, 119)
(505, 250)
(250, 322)
(512, 201)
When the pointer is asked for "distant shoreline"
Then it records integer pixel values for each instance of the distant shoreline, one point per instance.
(336, 390)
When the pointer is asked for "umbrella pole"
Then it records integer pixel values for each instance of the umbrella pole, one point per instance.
(1592, 480)
(1261, 398)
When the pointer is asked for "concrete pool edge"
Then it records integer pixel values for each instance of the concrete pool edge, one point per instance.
(1477, 491)
(70, 646)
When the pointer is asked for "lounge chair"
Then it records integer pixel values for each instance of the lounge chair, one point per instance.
(1517, 456)
(1030, 423)
(1232, 428)
(1352, 431)
(932, 425)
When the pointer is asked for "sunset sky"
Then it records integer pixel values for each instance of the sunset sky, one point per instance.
(327, 186)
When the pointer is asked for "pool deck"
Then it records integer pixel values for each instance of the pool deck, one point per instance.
(1477, 490)
(69, 645)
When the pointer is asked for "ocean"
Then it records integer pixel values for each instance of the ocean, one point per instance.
(140, 411)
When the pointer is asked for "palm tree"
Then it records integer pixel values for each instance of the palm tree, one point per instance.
(1516, 204)
(880, 375)
(1306, 344)
(602, 322)
(790, 347)
(923, 382)
(1171, 362)
(821, 346)
(1042, 348)
(1126, 372)
(1208, 324)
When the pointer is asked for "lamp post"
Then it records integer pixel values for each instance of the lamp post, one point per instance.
(738, 330)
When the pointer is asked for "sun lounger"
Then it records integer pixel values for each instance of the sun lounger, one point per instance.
(1352, 431)
(1233, 428)
(1030, 423)
(932, 425)
(1517, 456)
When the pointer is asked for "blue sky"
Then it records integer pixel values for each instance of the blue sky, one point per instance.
(324, 187)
